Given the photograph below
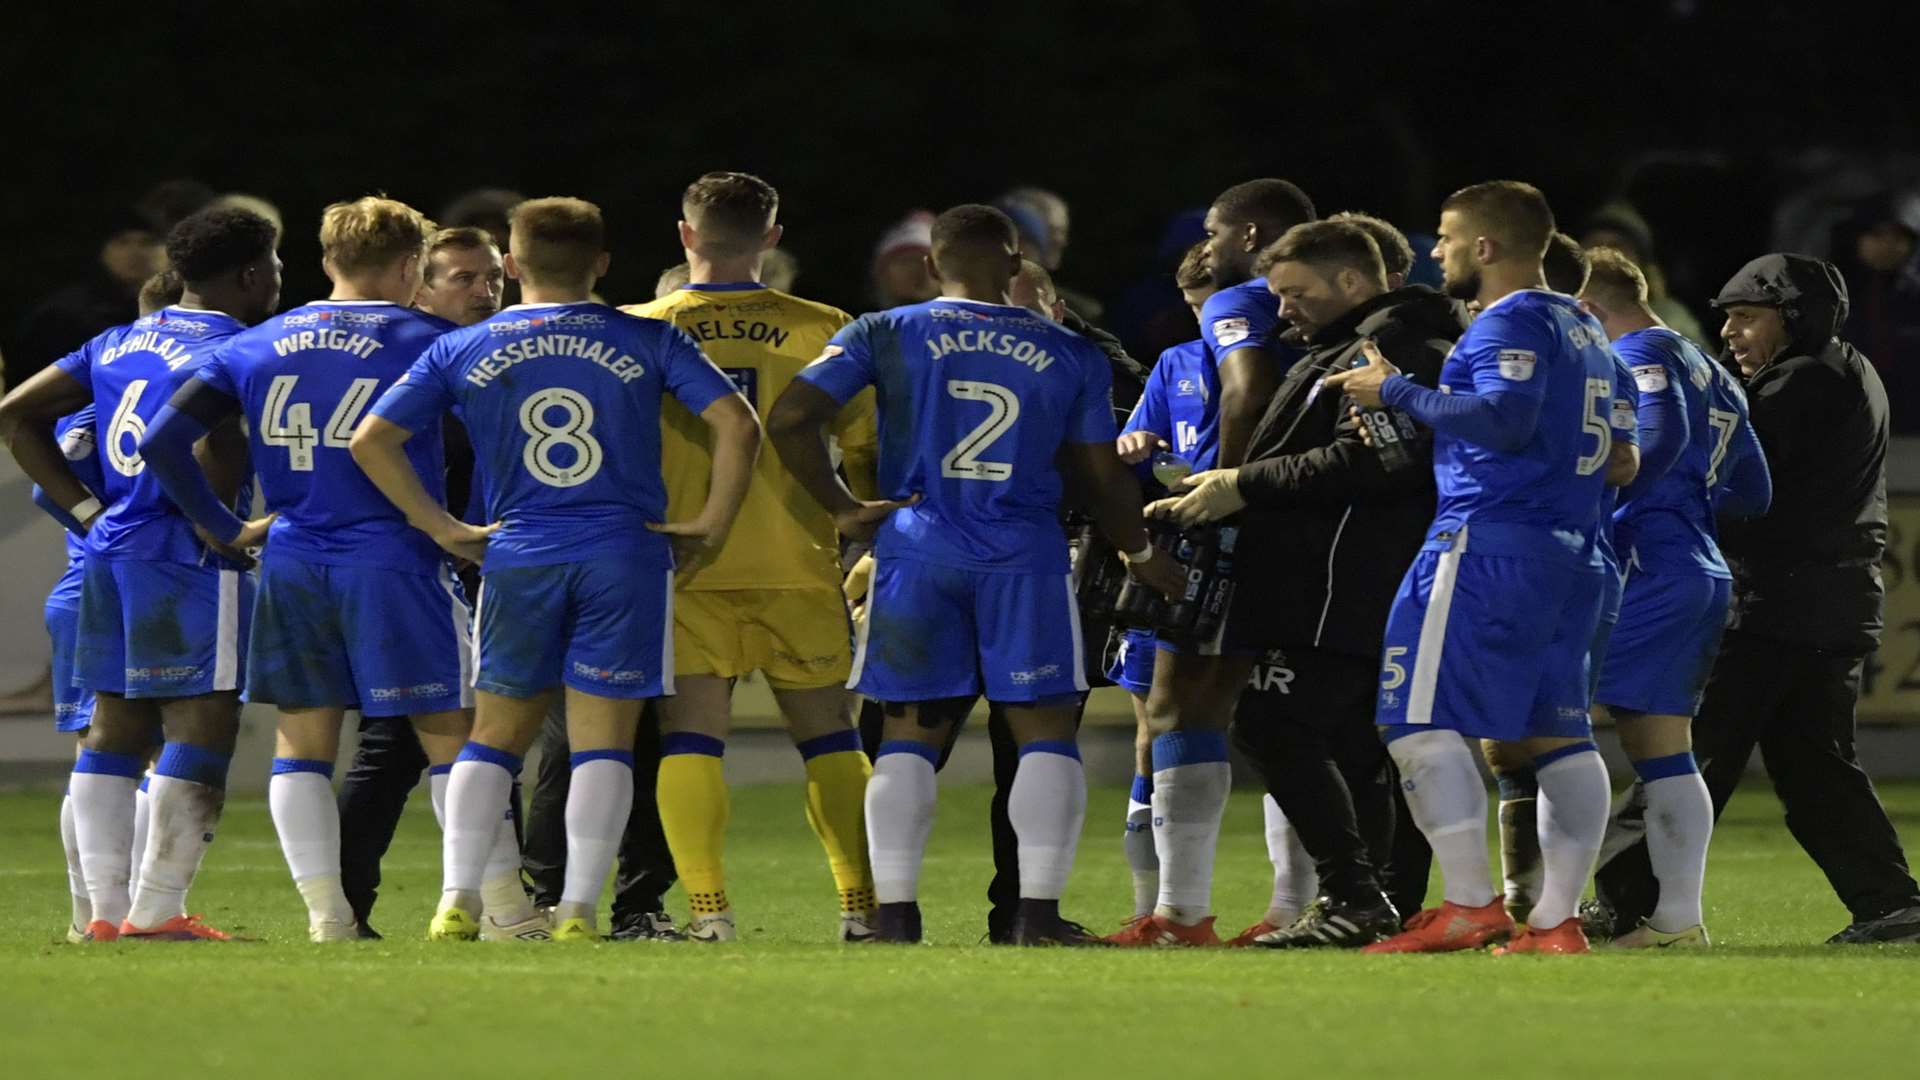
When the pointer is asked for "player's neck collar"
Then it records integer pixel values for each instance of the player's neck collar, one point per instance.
(357, 303)
(1511, 295)
(722, 286)
(967, 300)
(546, 303)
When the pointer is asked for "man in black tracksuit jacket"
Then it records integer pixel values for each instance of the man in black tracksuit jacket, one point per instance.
(1807, 605)
(1327, 532)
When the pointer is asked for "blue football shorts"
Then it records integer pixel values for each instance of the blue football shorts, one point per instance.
(935, 632)
(602, 626)
(72, 705)
(385, 642)
(1664, 646)
(161, 629)
(1492, 646)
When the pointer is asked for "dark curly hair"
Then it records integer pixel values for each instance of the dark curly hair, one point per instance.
(212, 242)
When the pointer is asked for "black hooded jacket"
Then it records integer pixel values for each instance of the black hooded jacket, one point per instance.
(1328, 533)
(1808, 570)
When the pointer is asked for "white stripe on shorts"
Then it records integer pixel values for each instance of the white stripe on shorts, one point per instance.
(463, 630)
(1433, 633)
(666, 641)
(1079, 648)
(226, 634)
(860, 632)
(473, 637)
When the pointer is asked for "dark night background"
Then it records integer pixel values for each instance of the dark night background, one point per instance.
(1705, 115)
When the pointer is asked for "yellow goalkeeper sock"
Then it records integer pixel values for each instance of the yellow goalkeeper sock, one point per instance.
(693, 814)
(837, 773)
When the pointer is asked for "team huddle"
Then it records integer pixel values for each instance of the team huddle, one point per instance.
(961, 460)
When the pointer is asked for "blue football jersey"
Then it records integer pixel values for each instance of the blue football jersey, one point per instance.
(1181, 403)
(1626, 429)
(562, 402)
(303, 379)
(79, 443)
(132, 371)
(1669, 526)
(1540, 344)
(975, 401)
(1244, 316)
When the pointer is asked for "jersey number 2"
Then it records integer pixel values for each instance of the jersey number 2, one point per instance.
(963, 461)
(291, 426)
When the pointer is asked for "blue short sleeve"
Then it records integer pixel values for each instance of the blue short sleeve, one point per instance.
(79, 364)
(1245, 316)
(1150, 412)
(1626, 413)
(846, 366)
(422, 396)
(690, 377)
(216, 374)
(1092, 419)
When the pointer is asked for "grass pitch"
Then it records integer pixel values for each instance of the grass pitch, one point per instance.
(1767, 1000)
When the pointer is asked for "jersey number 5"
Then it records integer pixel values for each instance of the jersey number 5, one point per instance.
(291, 426)
(963, 461)
(1593, 421)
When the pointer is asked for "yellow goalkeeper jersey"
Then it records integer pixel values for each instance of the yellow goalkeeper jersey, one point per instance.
(761, 338)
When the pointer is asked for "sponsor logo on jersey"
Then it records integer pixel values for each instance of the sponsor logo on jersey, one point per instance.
(1233, 330)
(607, 675)
(1650, 378)
(338, 318)
(1516, 365)
(409, 693)
(176, 673)
(547, 322)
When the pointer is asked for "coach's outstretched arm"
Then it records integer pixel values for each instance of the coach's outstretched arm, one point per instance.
(26, 428)
(797, 427)
(736, 443)
(378, 446)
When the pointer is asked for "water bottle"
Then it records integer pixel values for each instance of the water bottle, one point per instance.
(1141, 606)
(1198, 551)
(1169, 468)
(1217, 590)
(1390, 430)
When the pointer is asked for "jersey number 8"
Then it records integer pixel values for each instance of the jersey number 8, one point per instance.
(570, 432)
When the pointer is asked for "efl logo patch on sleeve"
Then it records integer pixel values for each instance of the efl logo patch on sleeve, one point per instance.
(1516, 365)
(1232, 331)
(1624, 418)
(1650, 378)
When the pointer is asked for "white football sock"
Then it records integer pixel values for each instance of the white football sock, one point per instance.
(1191, 781)
(501, 895)
(1047, 806)
(1295, 879)
(76, 878)
(1573, 817)
(900, 801)
(1138, 845)
(142, 813)
(183, 817)
(103, 834)
(598, 802)
(437, 794)
(1679, 828)
(308, 822)
(477, 795)
(1448, 801)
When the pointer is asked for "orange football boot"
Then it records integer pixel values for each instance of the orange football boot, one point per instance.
(101, 930)
(1565, 939)
(1450, 928)
(178, 928)
(1246, 936)
(1155, 931)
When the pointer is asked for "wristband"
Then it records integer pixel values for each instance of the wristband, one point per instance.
(1138, 557)
(85, 509)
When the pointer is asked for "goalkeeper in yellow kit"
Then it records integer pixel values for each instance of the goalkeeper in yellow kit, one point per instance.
(769, 599)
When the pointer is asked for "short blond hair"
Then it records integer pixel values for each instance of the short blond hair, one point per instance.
(557, 239)
(371, 232)
(1615, 274)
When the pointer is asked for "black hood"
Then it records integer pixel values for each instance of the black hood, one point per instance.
(1810, 293)
(1413, 307)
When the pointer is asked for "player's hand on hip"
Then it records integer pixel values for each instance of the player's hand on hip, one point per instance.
(464, 541)
(1137, 446)
(864, 520)
(1362, 384)
(1161, 574)
(254, 533)
(234, 553)
(859, 579)
(694, 542)
(1204, 496)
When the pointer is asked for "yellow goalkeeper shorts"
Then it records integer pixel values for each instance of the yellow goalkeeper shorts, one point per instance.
(798, 638)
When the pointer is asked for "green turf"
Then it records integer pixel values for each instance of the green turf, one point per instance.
(1769, 1000)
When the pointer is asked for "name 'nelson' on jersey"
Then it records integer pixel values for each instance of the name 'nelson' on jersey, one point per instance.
(975, 401)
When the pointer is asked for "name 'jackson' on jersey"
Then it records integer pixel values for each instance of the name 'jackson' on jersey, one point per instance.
(131, 371)
(1540, 344)
(1670, 526)
(975, 401)
(562, 402)
(303, 379)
